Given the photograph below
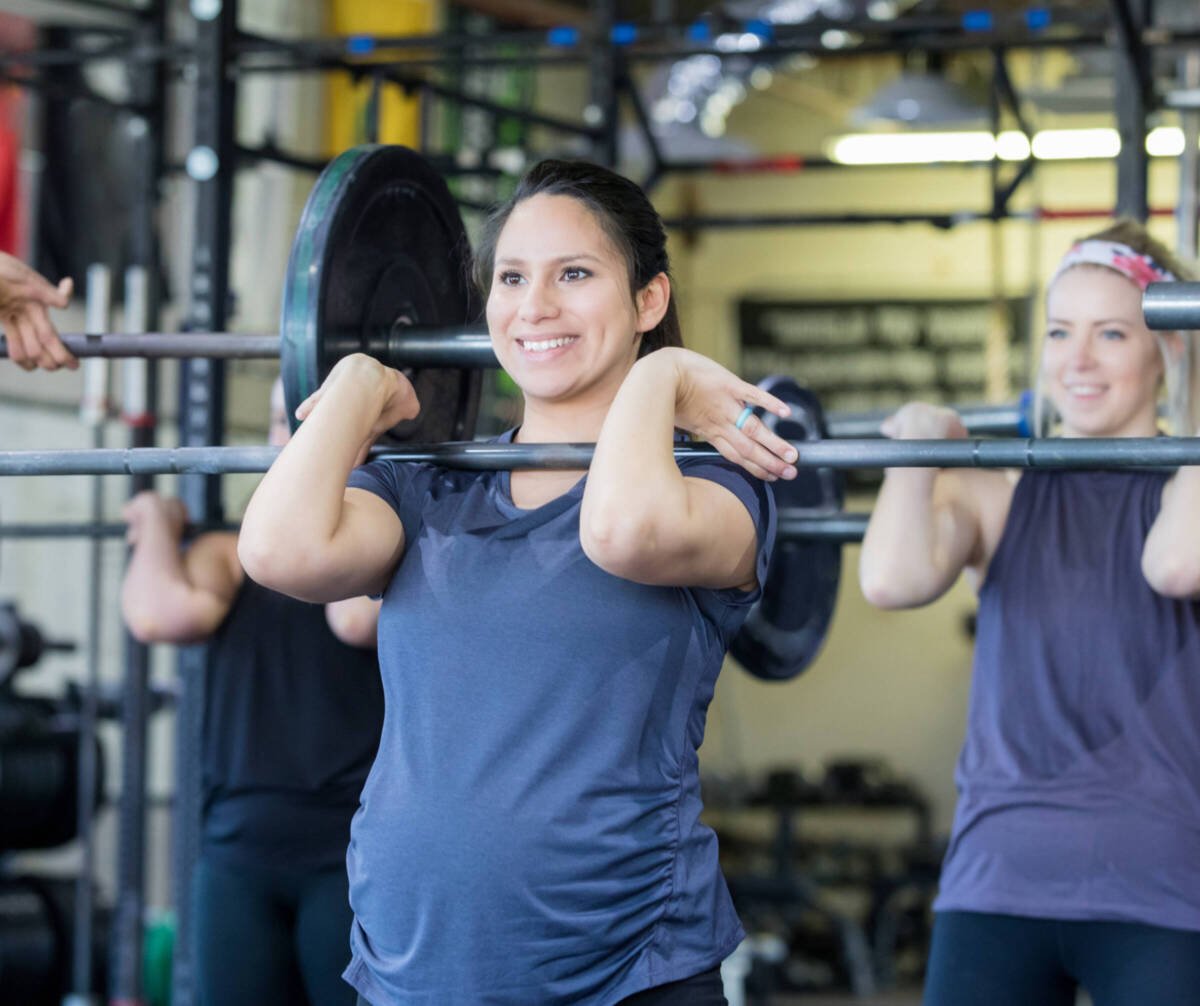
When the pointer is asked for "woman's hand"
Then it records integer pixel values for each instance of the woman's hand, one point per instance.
(25, 296)
(148, 509)
(922, 421)
(709, 400)
(394, 396)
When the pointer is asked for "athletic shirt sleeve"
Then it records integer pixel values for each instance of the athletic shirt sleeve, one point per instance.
(398, 485)
(759, 500)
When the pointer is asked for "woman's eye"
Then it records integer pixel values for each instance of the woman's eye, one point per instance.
(573, 272)
(1056, 333)
(1113, 334)
(509, 278)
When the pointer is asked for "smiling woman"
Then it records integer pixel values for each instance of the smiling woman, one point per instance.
(549, 640)
(1072, 863)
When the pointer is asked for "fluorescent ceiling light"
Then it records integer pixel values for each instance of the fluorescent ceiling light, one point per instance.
(913, 148)
(980, 145)
(1165, 141)
(1070, 144)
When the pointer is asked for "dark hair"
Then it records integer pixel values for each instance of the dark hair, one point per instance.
(623, 212)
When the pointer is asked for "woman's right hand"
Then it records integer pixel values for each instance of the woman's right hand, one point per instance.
(922, 421)
(149, 508)
(392, 394)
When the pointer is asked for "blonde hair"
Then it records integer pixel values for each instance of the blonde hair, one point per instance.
(1181, 361)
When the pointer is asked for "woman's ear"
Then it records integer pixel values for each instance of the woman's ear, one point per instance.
(652, 301)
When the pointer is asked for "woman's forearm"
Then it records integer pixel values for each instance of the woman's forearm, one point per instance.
(1171, 555)
(296, 509)
(155, 578)
(903, 561)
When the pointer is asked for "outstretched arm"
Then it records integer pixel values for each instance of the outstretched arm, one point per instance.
(924, 528)
(25, 296)
(169, 596)
(641, 518)
(304, 533)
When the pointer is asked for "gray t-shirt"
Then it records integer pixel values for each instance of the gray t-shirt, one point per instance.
(530, 830)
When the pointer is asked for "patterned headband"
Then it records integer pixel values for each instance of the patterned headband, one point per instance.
(1141, 270)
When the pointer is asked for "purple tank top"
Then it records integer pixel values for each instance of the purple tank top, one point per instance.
(1079, 780)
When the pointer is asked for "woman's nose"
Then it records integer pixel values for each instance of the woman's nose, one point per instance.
(537, 303)
(1083, 352)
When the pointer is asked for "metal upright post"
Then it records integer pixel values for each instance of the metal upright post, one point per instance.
(211, 164)
(1135, 99)
(1188, 209)
(603, 68)
(94, 413)
(139, 401)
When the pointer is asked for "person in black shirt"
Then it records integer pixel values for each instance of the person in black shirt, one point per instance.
(293, 712)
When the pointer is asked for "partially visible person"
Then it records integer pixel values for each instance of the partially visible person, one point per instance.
(25, 299)
(293, 713)
(1074, 861)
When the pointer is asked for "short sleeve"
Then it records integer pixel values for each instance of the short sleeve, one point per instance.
(397, 484)
(756, 496)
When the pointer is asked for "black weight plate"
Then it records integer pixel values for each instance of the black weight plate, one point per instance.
(380, 245)
(787, 627)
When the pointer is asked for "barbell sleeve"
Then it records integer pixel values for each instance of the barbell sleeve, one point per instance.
(804, 525)
(1119, 452)
(1172, 307)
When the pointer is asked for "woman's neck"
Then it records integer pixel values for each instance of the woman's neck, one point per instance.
(563, 422)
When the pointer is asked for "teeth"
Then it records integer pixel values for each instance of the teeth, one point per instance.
(546, 344)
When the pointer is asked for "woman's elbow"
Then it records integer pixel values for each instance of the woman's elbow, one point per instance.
(260, 558)
(620, 546)
(879, 592)
(353, 624)
(148, 626)
(142, 627)
(884, 589)
(1172, 575)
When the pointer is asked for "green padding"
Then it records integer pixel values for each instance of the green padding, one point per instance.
(158, 949)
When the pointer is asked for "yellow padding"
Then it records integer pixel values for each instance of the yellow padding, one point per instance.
(399, 115)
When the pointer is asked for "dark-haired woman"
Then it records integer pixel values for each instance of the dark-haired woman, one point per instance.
(1075, 857)
(549, 640)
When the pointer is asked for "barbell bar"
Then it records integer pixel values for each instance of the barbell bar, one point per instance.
(793, 523)
(462, 348)
(112, 529)
(396, 346)
(1116, 452)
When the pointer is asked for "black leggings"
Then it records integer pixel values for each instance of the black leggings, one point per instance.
(271, 936)
(980, 959)
(699, 990)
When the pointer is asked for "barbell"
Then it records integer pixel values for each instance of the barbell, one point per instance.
(1116, 452)
(379, 265)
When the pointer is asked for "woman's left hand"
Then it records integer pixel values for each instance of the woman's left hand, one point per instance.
(710, 400)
